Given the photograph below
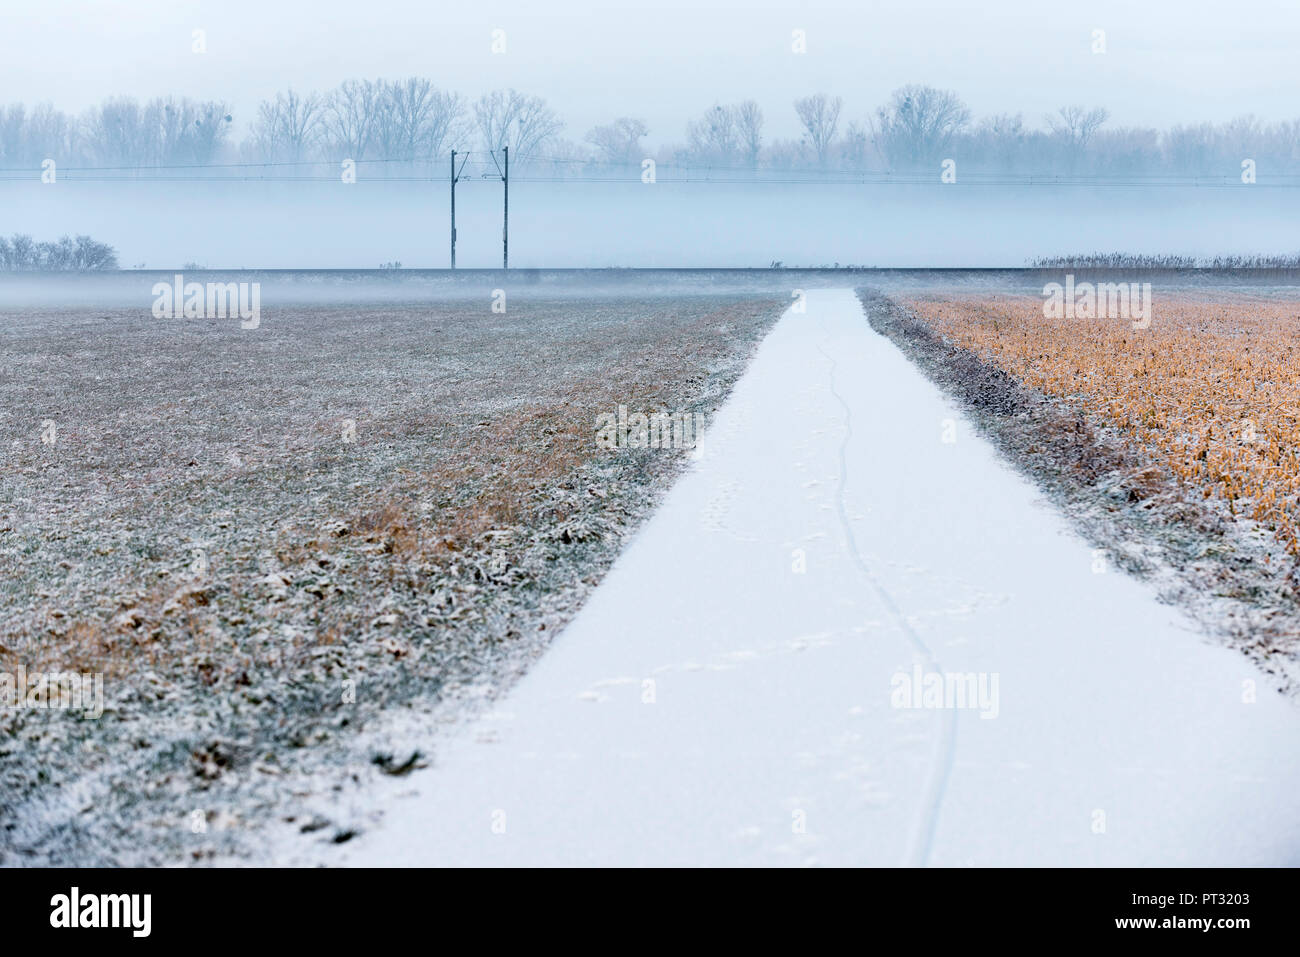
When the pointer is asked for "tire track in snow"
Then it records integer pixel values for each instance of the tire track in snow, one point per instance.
(922, 839)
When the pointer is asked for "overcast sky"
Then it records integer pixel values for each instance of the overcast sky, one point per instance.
(1166, 62)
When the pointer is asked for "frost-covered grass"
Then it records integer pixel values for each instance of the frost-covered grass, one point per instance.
(245, 530)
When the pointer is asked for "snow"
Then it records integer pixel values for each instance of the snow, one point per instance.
(714, 705)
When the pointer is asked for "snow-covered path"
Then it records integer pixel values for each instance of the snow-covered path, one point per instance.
(725, 695)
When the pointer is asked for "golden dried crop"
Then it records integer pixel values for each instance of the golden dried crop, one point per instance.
(1211, 389)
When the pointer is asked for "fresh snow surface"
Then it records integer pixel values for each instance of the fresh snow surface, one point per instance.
(712, 704)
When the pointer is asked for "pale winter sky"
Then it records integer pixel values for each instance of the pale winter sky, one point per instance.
(1166, 61)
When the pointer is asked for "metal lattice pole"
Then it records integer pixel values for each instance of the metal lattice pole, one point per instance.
(505, 219)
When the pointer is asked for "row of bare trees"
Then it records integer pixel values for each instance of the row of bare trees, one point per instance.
(361, 119)
(21, 253)
(121, 131)
(407, 119)
(917, 126)
(414, 120)
(402, 120)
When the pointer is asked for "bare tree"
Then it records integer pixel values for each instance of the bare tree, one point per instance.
(173, 120)
(1242, 136)
(510, 118)
(714, 137)
(13, 135)
(289, 127)
(385, 130)
(1077, 125)
(27, 138)
(1125, 150)
(856, 146)
(420, 118)
(90, 254)
(1001, 138)
(22, 252)
(350, 117)
(820, 116)
(620, 141)
(1192, 148)
(189, 131)
(119, 132)
(749, 130)
(919, 122)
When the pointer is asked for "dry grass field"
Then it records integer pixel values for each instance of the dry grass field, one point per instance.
(1210, 390)
(1172, 446)
(237, 528)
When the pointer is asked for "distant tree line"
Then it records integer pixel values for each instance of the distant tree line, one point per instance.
(119, 132)
(415, 120)
(21, 253)
(1146, 262)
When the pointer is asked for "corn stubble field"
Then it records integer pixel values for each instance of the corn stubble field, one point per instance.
(237, 528)
(1174, 444)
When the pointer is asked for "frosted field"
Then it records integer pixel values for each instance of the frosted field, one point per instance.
(365, 587)
(262, 538)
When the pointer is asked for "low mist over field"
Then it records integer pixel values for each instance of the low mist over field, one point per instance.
(595, 225)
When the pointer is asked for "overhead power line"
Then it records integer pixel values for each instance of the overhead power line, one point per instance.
(484, 165)
(1028, 181)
